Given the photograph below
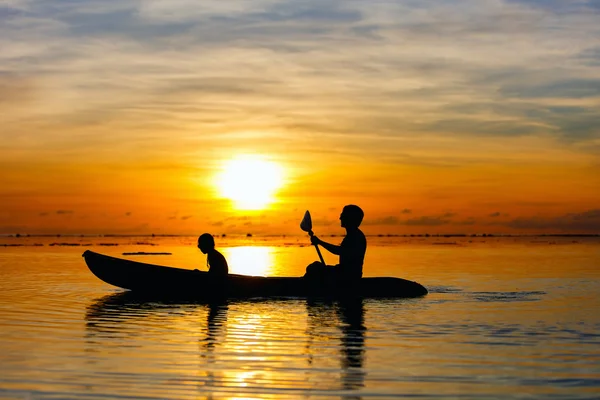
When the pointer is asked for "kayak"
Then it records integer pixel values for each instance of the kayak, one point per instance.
(170, 282)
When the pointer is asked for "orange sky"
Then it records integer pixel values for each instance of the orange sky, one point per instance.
(464, 117)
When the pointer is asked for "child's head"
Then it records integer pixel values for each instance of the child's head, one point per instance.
(206, 242)
(351, 216)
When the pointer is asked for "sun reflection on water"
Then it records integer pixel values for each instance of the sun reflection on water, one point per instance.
(250, 260)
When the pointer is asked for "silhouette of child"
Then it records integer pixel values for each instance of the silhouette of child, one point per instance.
(217, 265)
(351, 251)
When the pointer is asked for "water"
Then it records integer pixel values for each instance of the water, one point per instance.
(506, 318)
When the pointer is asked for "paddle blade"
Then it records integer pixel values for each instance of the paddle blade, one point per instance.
(306, 224)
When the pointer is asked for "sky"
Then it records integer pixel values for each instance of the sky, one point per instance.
(435, 116)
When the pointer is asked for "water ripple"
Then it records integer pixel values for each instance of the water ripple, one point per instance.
(65, 335)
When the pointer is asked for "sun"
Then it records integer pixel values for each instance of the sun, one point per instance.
(250, 182)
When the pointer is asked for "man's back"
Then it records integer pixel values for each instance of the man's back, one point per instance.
(352, 255)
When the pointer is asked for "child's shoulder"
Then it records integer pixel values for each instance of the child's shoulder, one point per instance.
(217, 254)
(214, 252)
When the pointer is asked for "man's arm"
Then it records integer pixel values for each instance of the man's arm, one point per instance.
(332, 248)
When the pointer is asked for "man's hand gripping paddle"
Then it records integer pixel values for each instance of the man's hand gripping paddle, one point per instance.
(306, 226)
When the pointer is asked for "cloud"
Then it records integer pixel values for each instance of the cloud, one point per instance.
(427, 221)
(16, 91)
(128, 213)
(561, 6)
(239, 218)
(590, 56)
(440, 83)
(324, 64)
(466, 222)
(389, 220)
(570, 89)
(64, 212)
(186, 217)
(584, 222)
(323, 222)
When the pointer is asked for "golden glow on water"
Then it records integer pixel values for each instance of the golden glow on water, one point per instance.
(250, 182)
(249, 260)
(254, 338)
(502, 318)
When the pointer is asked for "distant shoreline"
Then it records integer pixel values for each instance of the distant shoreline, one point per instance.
(239, 235)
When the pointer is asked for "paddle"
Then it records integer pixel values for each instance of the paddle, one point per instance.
(306, 226)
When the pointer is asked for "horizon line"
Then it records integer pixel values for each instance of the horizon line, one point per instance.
(22, 235)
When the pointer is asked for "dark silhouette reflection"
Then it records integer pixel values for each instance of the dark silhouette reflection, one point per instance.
(348, 316)
(107, 315)
(126, 316)
(352, 316)
(216, 319)
(104, 316)
(125, 321)
(215, 323)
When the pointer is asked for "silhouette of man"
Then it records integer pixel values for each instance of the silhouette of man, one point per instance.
(351, 251)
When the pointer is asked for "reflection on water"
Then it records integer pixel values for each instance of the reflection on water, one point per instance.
(216, 321)
(348, 317)
(353, 343)
(249, 260)
(243, 344)
(502, 321)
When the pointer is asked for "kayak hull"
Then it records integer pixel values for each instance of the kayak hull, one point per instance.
(165, 281)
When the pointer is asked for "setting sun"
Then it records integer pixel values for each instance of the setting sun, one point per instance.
(250, 182)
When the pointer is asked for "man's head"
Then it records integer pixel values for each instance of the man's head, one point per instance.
(351, 216)
(206, 242)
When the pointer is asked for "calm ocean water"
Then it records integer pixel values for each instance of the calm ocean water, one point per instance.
(506, 318)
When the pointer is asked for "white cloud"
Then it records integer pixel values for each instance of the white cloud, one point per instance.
(165, 11)
(370, 69)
